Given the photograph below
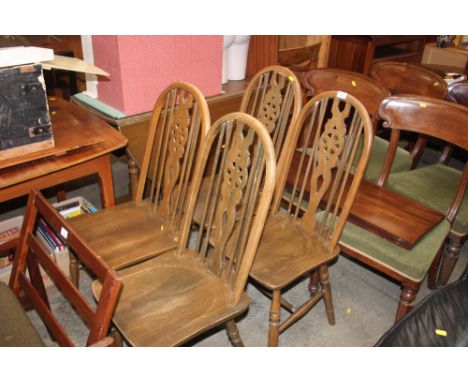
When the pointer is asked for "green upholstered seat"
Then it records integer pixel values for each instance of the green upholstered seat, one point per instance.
(401, 162)
(434, 186)
(413, 264)
(15, 327)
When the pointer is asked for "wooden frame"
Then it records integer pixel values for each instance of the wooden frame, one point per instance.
(30, 254)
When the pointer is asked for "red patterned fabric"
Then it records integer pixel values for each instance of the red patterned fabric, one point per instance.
(140, 67)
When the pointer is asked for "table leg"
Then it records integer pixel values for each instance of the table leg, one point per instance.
(106, 186)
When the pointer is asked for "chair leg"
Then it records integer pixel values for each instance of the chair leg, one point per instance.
(233, 334)
(407, 297)
(275, 317)
(133, 173)
(450, 258)
(434, 269)
(314, 283)
(327, 295)
(117, 337)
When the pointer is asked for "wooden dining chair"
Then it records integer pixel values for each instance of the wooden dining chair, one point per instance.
(174, 297)
(405, 78)
(26, 278)
(370, 93)
(149, 225)
(274, 97)
(437, 186)
(296, 240)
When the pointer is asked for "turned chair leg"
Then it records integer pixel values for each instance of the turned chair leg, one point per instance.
(133, 173)
(327, 295)
(233, 334)
(275, 317)
(407, 297)
(449, 258)
(117, 337)
(314, 283)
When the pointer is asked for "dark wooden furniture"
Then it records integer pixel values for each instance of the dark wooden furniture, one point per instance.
(26, 278)
(438, 187)
(370, 93)
(298, 53)
(292, 244)
(403, 78)
(358, 53)
(458, 92)
(150, 225)
(174, 297)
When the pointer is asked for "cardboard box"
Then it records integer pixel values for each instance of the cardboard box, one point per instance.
(25, 125)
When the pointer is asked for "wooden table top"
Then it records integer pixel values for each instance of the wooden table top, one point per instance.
(80, 136)
(392, 216)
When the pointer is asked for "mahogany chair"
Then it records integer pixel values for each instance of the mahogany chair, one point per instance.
(150, 224)
(404, 78)
(174, 297)
(15, 328)
(295, 243)
(437, 186)
(370, 93)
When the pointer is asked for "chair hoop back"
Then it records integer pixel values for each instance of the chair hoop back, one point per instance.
(367, 90)
(438, 118)
(178, 125)
(458, 92)
(322, 169)
(26, 275)
(404, 78)
(274, 97)
(238, 162)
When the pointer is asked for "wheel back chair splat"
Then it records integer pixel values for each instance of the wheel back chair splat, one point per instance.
(150, 224)
(293, 244)
(174, 297)
(274, 97)
(26, 280)
(404, 78)
(370, 93)
(438, 186)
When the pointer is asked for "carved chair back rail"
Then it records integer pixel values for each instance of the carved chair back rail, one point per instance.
(179, 122)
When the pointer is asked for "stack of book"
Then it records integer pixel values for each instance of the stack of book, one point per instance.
(50, 240)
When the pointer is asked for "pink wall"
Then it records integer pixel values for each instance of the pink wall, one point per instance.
(140, 67)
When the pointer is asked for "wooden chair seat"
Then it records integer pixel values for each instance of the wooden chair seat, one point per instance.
(176, 296)
(126, 234)
(277, 265)
(168, 282)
